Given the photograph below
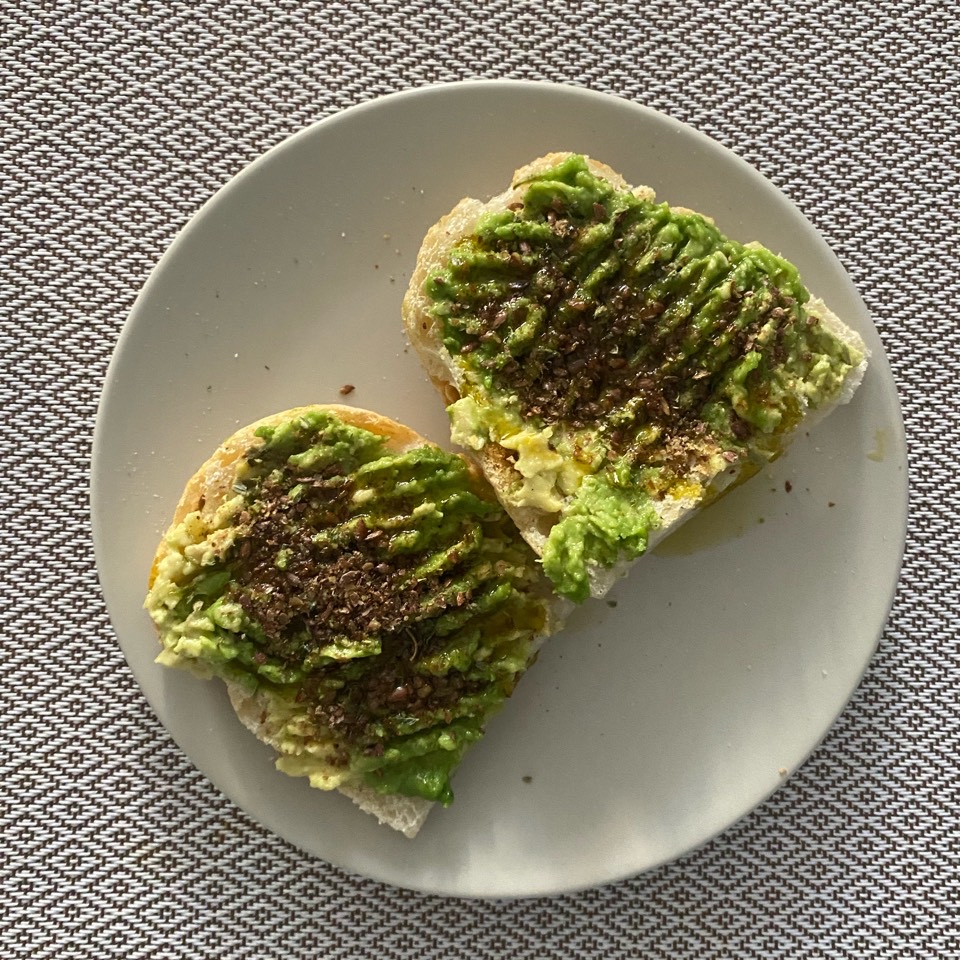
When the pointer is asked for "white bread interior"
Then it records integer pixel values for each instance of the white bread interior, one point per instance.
(210, 487)
(425, 334)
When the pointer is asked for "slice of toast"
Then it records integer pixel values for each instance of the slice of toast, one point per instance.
(362, 596)
(613, 365)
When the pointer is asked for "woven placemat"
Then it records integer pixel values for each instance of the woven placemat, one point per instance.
(119, 120)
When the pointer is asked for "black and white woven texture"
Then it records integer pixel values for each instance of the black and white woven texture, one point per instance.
(118, 121)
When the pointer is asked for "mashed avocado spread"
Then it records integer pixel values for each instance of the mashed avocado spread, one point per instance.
(382, 607)
(624, 353)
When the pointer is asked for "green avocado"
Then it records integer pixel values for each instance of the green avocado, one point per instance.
(385, 605)
(646, 345)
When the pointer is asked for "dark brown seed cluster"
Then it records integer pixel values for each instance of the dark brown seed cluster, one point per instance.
(305, 595)
(394, 690)
(347, 589)
(620, 352)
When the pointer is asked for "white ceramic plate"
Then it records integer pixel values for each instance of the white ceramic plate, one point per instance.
(645, 728)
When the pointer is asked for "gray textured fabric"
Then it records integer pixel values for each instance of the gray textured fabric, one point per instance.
(118, 121)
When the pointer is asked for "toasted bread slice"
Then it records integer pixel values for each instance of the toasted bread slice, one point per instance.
(524, 307)
(215, 596)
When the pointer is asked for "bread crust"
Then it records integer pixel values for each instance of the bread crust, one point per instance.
(209, 488)
(425, 334)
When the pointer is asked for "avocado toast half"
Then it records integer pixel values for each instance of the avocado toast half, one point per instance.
(613, 364)
(362, 594)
